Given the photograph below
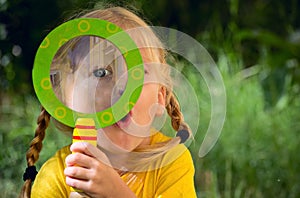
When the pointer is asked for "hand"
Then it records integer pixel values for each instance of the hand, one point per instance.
(88, 169)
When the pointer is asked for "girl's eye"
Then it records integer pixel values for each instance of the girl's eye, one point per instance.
(101, 72)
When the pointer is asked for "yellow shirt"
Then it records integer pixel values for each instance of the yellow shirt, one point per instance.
(171, 181)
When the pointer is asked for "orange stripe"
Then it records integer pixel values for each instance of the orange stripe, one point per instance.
(84, 127)
(84, 137)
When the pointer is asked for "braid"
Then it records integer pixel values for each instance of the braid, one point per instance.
(173, 109)
(36, 144)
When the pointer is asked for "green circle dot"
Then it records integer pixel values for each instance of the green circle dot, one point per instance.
(112, 28)
(137, 73)
(45, 43)
(46, 84)
(84, 26)
(60, 112)
(106, 117)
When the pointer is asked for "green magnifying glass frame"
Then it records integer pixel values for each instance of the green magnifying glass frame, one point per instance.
(88, 27)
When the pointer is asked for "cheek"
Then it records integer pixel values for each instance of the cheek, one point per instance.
(103, 97)
(144, 110)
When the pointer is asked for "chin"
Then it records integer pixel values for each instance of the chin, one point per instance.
(122, 139)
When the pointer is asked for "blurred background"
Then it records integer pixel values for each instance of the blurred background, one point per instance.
(256, 45)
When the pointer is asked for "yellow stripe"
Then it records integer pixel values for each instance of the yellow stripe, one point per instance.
(85, 122)
(84, 132)
(92, 142)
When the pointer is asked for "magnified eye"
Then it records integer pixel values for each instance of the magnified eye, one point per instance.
(101, 72)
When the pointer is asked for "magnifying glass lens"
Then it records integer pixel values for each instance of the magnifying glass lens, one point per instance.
(88, 74)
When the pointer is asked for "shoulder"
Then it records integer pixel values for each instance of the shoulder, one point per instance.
(57, 161)
(63, 152)
(176, 178)
(50, 181)
(178, 154)
(180, 158)
(158, 137)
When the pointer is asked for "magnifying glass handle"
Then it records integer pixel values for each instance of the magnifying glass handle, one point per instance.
(84, 131)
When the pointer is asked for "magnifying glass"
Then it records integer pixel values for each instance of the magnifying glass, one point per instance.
(88, 68)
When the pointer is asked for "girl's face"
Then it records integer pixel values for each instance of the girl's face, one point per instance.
(99, 80)
(134, 130)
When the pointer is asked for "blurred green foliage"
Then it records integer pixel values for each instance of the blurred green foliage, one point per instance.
(256, 155)
(18, 117)
(256, 44)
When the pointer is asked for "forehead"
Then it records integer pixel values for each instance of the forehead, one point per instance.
(93, 50)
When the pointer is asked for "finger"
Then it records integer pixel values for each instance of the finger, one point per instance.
(90, 150)
(76, 183)
(77, 195)
(82, 147)
(77, 172)
(79, 159)
(87, 186)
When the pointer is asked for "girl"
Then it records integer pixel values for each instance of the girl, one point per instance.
(131, 159)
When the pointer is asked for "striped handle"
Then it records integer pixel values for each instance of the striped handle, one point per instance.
(84, 131)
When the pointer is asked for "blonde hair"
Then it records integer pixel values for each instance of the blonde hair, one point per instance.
(126, 20)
